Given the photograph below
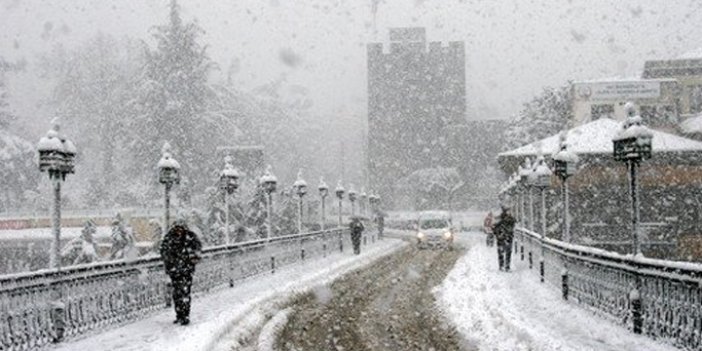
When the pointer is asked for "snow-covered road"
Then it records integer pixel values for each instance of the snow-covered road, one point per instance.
(514, 311)
(214, 315)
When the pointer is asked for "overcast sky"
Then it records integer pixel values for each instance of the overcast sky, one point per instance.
(513, 47)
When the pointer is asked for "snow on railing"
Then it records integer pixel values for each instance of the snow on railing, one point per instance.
(41, 307)
(658, 298)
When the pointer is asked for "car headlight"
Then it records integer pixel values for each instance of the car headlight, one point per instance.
(448, 235)
(420, 236)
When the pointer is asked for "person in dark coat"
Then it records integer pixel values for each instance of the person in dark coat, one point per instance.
(180, 252)
(504, 233)
(356, 231)
(380, 220)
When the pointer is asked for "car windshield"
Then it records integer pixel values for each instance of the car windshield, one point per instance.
(434, 224)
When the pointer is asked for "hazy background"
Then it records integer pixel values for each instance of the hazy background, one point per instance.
(315, 49)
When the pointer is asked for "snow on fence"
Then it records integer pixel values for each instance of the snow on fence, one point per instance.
(48, 306)
(658, 298)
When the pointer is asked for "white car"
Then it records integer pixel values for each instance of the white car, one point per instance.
(434, 232)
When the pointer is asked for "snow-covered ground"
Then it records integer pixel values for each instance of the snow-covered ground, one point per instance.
(514, 311)
(216, 317)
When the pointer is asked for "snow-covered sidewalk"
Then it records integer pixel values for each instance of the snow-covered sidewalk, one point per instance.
(215, 315)
(514, 311)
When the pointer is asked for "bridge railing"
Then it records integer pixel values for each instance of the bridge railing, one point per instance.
(48, 306)
(661, 299)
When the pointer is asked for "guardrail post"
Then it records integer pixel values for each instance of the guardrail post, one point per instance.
(541, 269)
(324, 249)
(341, 242)
(272, 264)
(302, 254)
(636, 311)
(58, 316)
(531, 261)
(564, 284)
(522, 251)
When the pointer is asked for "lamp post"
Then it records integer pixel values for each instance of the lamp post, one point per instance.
(564, 166)
(323, 193)
(56, 157)
(169, 174)
(340, 195)
(228, 183)
(269, 183)
(524, 172)
(300, 188)
(631, 145)
(352, 198)
(541, 178)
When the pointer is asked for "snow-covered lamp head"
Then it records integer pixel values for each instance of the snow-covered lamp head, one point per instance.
(229, 177)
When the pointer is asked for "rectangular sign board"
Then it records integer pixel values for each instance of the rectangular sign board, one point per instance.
(618, 90)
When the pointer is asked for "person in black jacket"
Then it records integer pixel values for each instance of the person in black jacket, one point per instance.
(504, 233)
(356, 231)
(180, 252)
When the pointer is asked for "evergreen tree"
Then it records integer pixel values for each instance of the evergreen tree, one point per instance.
(174, 95)
(545, 115)
(18, 171)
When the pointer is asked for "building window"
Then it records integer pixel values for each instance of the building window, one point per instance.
(695, 98)
(599, 111)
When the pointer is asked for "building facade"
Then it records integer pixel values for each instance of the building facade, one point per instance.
(657, 100)
(688, 72)
(416, 93)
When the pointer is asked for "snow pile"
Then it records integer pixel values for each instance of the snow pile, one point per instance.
(514, 311)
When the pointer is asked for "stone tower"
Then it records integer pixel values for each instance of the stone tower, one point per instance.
(416, 93)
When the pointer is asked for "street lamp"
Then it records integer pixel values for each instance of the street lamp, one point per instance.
(524, 172)
(323, 193)
(541, 178)
(631, 145)
(564, 166)
(168, 174)
(340, 195)
(300, 188)
(372, 202)
(352, 198)
(56, 157)
(228, 183)
(269, 183)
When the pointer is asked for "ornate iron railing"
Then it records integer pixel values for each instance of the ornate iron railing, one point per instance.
(47, 306)
(658, 298)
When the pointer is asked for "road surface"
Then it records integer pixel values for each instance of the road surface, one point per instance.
(386, 306)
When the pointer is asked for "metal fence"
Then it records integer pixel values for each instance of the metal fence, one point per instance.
(658, 298)
(49, 306)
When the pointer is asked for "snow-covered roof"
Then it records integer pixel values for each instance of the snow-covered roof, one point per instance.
(692, 125)
(693, 54)
(596, 138)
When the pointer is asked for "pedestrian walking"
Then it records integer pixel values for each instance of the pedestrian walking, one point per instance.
(356, 231)
(180, 252)
(487, 228)
(504, 233)
(380, 220)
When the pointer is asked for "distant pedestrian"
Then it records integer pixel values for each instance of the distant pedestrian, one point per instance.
(504, 233)
(380, 220)
(180, 252)
(487, 228)
(356, 231)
